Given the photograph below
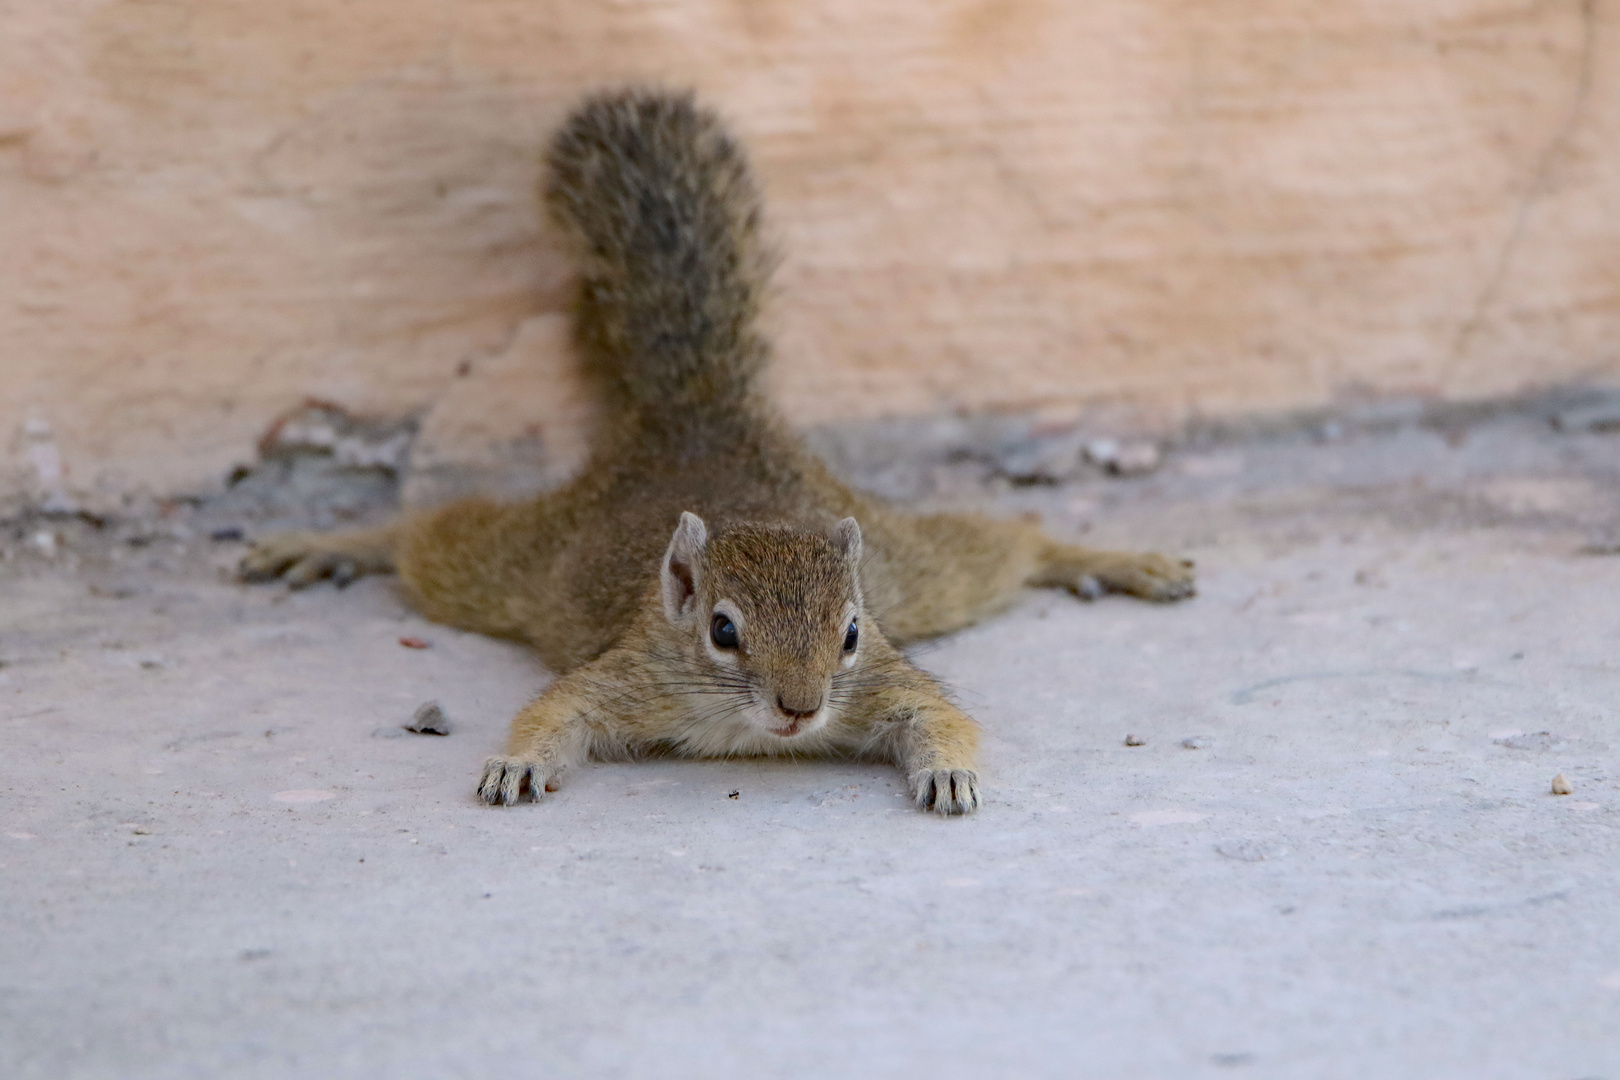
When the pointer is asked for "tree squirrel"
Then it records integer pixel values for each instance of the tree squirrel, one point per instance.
(704, 587)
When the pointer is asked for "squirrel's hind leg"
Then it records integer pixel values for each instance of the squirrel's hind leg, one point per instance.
(479, 565)
(303, 558)
(1089, 572)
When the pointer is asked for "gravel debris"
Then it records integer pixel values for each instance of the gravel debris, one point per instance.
(429, 720)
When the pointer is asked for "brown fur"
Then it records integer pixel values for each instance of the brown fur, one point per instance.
(663, 214)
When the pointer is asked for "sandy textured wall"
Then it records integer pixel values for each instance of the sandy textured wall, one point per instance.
(211, 209)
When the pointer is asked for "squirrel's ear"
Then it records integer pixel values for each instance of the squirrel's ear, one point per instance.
(679, 574)
(847, 537)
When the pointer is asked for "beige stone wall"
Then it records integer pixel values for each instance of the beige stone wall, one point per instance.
(211, 209)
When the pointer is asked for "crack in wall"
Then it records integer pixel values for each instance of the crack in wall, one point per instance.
(1540, 181)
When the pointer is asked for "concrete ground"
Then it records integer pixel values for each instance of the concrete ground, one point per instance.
(1336, 853)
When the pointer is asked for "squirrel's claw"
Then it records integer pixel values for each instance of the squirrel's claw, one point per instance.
(506, 779)
(302, 559)
(946, 791)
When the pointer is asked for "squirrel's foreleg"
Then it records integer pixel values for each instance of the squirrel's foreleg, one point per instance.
(551, 733)
(911, 722)
(605, 708)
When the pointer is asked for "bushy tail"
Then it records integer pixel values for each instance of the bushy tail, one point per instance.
(666, 219)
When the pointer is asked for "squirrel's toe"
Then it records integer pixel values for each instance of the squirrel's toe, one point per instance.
(946, 791)
(505, 780)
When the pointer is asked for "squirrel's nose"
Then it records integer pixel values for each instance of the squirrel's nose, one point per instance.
(797, 714)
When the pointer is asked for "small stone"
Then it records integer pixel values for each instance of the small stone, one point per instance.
(1102, 452)
(1249, 850)
(141, 830)
(1122, 458)
(411, 642)
(429, 720)
(1198, 742)
(1560, 786)
(1135, 740)
(1536, 740)
(1036, 460)
(1135, 459)
(1607, 543)
(1231, 1061)
(1601, 417)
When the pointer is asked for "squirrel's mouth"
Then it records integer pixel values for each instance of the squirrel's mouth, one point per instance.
(785, 722)
(789, 725)
(786, 729)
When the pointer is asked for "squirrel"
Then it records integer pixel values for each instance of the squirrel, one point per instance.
(704, 587)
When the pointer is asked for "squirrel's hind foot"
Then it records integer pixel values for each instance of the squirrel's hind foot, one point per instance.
(1148, 575)
(303, 558)
(1089, 573)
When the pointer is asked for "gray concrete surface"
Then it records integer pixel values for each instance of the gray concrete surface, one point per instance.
(220, 856)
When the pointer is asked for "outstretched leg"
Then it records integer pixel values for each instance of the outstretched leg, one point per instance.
(932, 575)
(1088, 572)
(910, 722)
(607, 708)
(473, 564)
(303, 558)
(551, 734)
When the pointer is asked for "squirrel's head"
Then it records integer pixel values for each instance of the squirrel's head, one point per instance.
(772, 614)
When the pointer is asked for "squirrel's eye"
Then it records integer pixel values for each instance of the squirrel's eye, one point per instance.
(851, 636)
(723, 632)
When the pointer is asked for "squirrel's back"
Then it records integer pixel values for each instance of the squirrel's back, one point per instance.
(665, 219)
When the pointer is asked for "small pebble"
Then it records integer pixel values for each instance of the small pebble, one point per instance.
(1122, 459)
(1198, 742)
(1248, 850)
(413, 642)
(1536, 740)
(1602, 544)
(1560, 786)
(1135, 459)
(429, 720)
(1135, 740)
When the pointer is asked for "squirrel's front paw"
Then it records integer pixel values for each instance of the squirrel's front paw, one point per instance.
(506, 779)
(946, 791)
